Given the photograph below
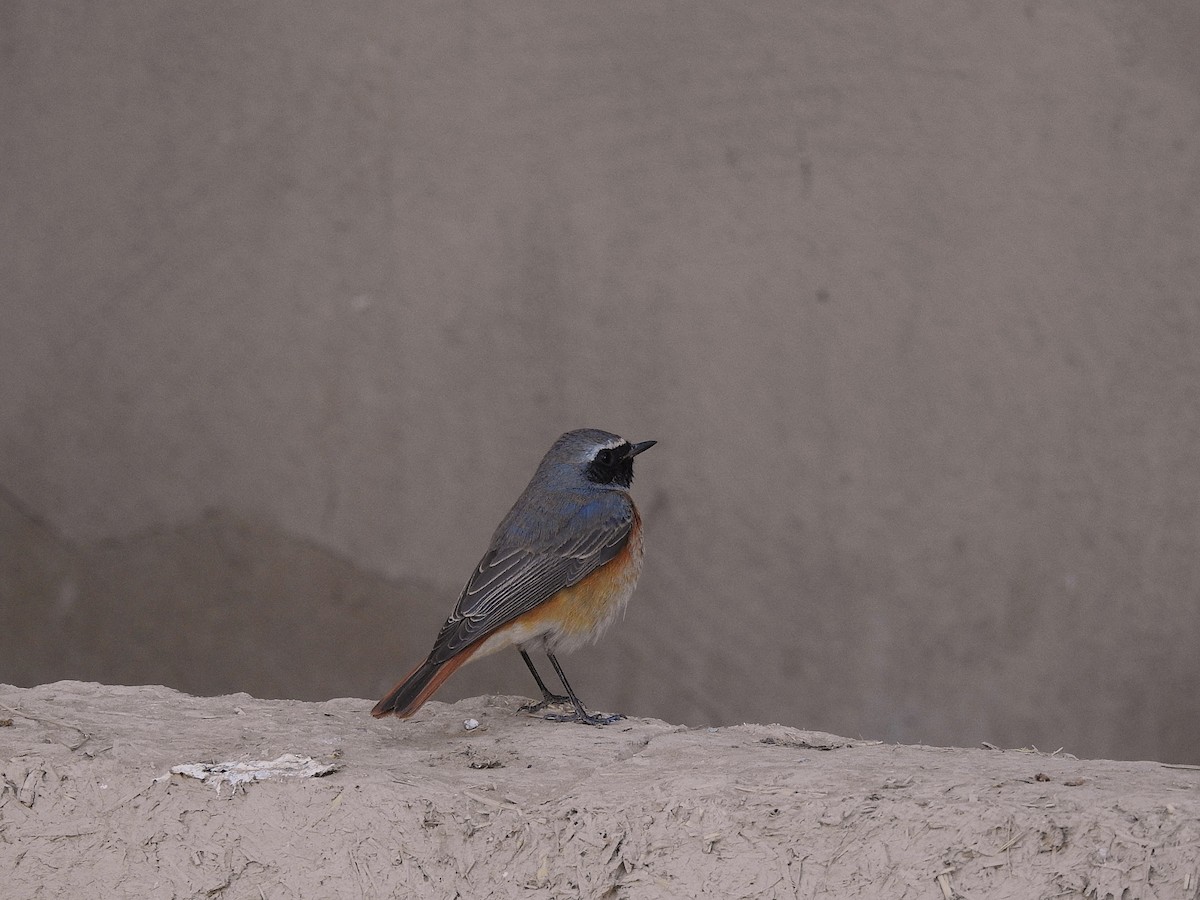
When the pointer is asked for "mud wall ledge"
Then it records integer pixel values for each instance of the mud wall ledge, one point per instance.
(517, 805)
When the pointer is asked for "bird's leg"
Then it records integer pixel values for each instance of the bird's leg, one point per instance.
(548, 699)
(580, 715)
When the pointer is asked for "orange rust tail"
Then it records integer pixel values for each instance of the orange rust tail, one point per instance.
(410, 694)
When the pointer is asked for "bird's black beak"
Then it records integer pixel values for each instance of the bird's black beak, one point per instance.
(635, 449)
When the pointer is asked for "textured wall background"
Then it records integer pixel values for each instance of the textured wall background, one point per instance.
(294, 299)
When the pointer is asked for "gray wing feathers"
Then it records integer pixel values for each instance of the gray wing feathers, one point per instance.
(511, 580)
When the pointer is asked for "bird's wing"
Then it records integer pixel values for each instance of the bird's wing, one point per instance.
(512, 579)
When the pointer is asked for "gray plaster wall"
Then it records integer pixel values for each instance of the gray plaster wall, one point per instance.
(295, 296)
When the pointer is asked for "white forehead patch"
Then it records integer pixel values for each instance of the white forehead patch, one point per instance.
(590, 453)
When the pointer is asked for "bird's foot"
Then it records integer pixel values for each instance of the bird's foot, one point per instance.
(583, 717)
(548, 699)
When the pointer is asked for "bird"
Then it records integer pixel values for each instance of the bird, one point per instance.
(560, 568)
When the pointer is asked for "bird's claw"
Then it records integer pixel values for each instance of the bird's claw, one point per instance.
(583, 718)
(548, 700)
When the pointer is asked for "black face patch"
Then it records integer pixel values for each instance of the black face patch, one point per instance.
(612, 466)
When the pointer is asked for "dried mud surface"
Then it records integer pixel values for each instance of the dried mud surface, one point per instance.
(521, 807)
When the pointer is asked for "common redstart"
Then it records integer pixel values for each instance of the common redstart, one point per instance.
(561, 566)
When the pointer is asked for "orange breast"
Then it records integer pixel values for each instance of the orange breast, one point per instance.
(581, 613)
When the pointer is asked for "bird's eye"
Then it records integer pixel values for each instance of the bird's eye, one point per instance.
(604, 457)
